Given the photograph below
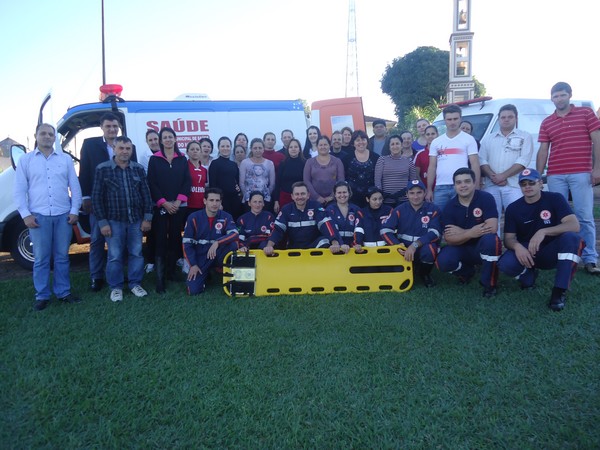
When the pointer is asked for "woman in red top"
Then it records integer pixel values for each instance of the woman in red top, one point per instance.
(199, 174)
(422, 158)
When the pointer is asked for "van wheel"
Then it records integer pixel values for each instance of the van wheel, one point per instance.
(21, 248)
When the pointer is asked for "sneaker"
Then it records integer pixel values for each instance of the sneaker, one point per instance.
(527, 280)
(116, 295)
(70, 299)
(428, 281)
(557, 300)
(139, 291)
(592, 269)
(149, 268)
(490, 292)
(40, 304)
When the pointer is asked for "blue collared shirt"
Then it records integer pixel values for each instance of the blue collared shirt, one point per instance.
(42, 185)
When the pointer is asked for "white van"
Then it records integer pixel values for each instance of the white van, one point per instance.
(191, 120)
(483, 114)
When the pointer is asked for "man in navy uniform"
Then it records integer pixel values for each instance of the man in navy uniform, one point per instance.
(541, 232)
(305, 222)
(208, 236)
(470, 221)
(416, 224)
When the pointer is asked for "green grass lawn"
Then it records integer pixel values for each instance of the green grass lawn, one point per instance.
(441, 368)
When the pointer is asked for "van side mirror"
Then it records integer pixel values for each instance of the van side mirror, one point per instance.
(16, 151)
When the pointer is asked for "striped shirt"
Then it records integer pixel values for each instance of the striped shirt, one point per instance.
(392, 173)
(570, 142)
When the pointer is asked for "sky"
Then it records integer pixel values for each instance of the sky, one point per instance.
(275, 49)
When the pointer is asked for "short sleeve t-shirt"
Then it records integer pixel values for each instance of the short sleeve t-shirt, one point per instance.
(524, 219)
(452, 154)
(481, 208)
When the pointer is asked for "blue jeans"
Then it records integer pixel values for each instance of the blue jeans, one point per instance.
(51, 240)
(442, 194)
(580, 185)
(125, 237)
(97, 256)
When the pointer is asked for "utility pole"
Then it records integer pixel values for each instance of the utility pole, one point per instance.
(351, 54)
(103, 58)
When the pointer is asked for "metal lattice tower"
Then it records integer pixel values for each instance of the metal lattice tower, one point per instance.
(351, 54)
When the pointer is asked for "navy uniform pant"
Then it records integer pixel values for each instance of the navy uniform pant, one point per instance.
(461, 260)
(562, 253)
(197, 286)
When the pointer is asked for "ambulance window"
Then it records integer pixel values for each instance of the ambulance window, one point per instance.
(480, 122)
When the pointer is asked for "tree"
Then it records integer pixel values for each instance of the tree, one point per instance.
(479, 88)
(429, 111)
(416, 78)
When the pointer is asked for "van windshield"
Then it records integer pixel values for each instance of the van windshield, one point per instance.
(480, 123)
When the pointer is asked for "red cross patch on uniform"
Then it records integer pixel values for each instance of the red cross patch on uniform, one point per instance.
(263, 229)
(310, 213)
(477, 212)
(351, 217)
(545, 214)
(425, 219)
(218, 226)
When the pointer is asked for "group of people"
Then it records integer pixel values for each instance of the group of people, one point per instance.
(347, 191)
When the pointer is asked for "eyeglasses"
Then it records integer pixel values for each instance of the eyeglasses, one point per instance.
(524, 183)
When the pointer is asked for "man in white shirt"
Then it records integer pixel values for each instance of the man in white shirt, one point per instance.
(43, 181)
(448, 153)
(503, 155)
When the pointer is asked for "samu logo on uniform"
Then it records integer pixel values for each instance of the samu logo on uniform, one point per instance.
(545, 215)
(218, 227)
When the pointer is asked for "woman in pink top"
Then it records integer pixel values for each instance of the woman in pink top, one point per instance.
(322, 172)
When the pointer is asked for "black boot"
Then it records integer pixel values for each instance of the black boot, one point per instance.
(159, 270)
(557, 299)
(172, 274)
(424, 271)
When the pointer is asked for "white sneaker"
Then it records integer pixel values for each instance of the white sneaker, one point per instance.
(149, 268)
(139, 291)
(116, 295)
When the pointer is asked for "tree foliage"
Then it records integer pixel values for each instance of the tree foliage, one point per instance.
(409, 120)
(416, 79)
(479, 88)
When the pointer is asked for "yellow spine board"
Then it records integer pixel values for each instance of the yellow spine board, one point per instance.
(316, 271)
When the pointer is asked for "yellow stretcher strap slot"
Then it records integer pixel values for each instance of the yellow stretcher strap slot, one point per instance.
(316, 271)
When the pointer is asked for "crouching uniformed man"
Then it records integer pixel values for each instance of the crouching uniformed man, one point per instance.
(416, 224)
(306, 224)
(540, 232)
(209, 235)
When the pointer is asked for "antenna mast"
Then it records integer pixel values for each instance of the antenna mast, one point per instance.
(351, 54)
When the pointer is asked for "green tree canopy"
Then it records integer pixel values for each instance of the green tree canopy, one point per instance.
(416, 78)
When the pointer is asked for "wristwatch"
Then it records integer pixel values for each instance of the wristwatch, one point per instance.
(416, 244)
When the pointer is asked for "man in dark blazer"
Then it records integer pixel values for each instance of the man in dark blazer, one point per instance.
(95, 151)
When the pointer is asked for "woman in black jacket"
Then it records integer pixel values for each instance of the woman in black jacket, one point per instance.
(224, 174)
(170, 184)
(290, 170)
